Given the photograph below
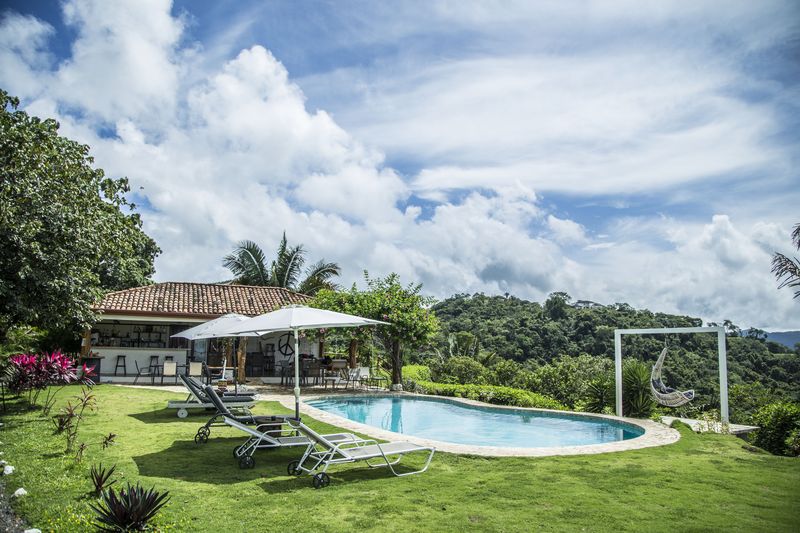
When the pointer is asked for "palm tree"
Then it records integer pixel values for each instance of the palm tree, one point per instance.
(248, 263)
(787, 269)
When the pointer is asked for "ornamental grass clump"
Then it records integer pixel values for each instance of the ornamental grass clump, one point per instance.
(34, 373)
(130, 510)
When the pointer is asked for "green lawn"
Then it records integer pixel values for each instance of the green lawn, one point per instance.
(702, 483)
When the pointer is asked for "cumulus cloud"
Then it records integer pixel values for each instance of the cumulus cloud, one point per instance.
(219, 151)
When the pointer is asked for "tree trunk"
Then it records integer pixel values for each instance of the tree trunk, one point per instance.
(241, 357)
(397, 366)
(353, 350)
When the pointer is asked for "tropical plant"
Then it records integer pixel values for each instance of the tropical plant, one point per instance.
(637, 399)
(248, 264)
(130, 510)
(787, 269)
(101, 478)
(600, 394)
(49, 371)
(461, 369)
(64, 238)
(68, 420)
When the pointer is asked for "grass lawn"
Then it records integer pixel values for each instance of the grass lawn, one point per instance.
(701, 483)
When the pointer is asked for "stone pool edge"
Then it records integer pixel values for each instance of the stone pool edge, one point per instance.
(655, 433)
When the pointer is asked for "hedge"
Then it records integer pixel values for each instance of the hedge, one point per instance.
(488, 394)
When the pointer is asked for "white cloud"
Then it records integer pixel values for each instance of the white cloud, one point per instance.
(229, 150)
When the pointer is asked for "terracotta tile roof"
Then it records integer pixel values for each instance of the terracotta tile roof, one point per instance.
(198, 299)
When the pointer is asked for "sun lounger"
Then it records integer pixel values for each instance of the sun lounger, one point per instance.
(230, 410)
(322, 452)
(198, 399)
(266, 436)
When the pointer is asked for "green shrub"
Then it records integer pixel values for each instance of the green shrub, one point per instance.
(567, 378)
(416, 372)
(461, 369)
(600, 394)
(637, 399)
(777, 423)
(490, 394)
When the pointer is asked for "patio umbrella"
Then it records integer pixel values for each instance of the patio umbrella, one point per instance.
(216, 328)
(296, 318)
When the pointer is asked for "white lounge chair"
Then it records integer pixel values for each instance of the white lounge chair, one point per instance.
(322, 452)
(267, 436)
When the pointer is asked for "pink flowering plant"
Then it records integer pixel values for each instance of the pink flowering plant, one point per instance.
(34, 373)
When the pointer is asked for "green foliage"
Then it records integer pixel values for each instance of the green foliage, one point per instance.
(417, 372)
(131, 510)
(525, 332)
(411, 323)
(505, 372)
(63, 236)
(745, 400)
(490, 394)
(460, 369)
(600, 394)
(778, 423)
(637, 399)
(567, 378)
(248, 264)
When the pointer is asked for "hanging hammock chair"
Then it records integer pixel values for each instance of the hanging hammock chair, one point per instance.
(663, 394)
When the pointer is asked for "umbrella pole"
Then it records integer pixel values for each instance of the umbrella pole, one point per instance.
(296, 376)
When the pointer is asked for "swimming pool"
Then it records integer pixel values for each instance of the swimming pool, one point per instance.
(451, 421)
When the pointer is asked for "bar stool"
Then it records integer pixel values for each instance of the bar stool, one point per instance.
(121, 364)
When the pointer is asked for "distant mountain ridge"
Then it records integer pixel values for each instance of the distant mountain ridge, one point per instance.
(787, 338)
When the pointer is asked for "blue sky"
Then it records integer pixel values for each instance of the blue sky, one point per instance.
(643, 152)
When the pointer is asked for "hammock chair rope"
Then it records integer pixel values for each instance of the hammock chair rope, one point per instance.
(663, 394)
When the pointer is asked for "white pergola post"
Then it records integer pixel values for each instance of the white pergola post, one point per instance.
(721, 350)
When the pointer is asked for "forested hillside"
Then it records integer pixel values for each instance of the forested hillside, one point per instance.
(536, 334)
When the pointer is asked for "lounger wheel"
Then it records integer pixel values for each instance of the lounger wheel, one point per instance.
(294, 468)
(321, 480)
(247, 461)
(202, 435)
(182, 413)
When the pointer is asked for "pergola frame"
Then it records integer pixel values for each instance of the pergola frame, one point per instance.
(721, 350)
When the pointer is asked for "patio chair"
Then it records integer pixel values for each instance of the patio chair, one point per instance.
(352, 376)
(196, 369)
(198, 399)
(170, 370)
(322, 453)
(262, 438)
(145, 371)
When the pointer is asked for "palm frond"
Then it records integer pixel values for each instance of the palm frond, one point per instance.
(318, 276)
(248, 264)
(287, 265)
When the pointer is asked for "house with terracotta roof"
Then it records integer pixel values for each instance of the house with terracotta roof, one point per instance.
(136, 327)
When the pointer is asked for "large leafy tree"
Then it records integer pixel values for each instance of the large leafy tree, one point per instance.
(248, 263)
(63, 236)
(787, 269)
(412, 324)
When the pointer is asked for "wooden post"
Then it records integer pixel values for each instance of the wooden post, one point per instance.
(353, 351)
(241, 357)
(86, 342)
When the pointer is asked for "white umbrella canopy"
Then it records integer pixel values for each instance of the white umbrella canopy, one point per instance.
(296, 318)
(216, 328)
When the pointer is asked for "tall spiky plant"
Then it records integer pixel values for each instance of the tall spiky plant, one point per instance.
(248, 264)
(787, 269)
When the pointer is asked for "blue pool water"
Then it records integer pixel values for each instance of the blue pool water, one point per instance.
(454, 422)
